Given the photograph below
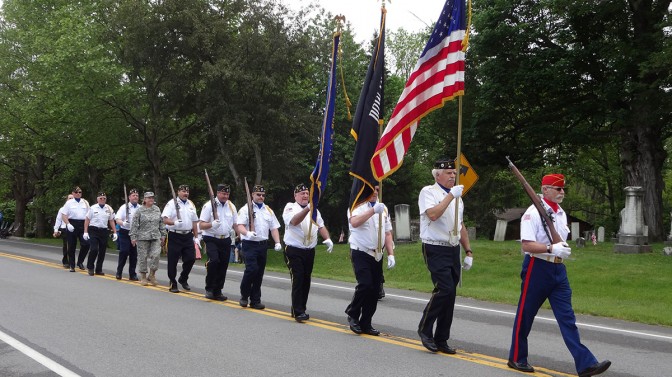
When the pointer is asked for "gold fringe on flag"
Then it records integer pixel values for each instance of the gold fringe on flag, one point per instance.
(465, 41)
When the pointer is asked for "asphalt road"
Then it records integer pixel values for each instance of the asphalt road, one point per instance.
(53, 322)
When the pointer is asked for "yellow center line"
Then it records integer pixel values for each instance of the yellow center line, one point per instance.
(481, 359)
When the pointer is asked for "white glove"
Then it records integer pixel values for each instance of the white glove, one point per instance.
(251, 234)
(378, 208)
(70, 227)
(216, 224)
(114, 237)
(200, 237)
(457, 191)
(197, 241)
(86, 236)
(561, 250)
(126, 224)
(330, 245)
(278, 247)
(391, 262)
(468, 262)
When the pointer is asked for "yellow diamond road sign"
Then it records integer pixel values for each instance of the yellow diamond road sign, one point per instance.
(467, 176)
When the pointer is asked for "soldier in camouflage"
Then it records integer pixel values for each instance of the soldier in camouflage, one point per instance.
(148, 232)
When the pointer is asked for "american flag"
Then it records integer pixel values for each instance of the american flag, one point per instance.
(438, 77)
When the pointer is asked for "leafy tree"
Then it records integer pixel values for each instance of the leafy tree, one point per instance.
(554, 77)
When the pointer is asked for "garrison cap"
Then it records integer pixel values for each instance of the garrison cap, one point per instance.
(132, 191)
(444, 163)
(183, 188)
(258, 188)
(223, 188)
(300, 187)
(557, 180)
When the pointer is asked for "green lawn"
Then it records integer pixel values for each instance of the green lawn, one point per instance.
(625, 286)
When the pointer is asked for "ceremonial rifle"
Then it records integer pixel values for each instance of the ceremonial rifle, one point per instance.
(126, 201)
(213, 199)
(555, 237)
(250, 210)
(177, 206)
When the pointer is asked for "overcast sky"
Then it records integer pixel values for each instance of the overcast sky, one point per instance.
(364, 15)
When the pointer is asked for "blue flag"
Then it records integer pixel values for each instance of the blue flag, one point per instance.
(318, 178)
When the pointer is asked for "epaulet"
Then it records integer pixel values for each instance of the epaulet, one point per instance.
(269, 209)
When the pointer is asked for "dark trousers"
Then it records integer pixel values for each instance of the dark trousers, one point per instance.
(180, 246)
(255, 265)
(443, 263)
(77, 234)
(300, 263)
(369, 275)
(126, 251)
(64, 237)
(98, 244)
(543, 280)
(218, 251)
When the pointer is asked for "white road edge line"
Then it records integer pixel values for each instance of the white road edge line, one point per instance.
(476, 308)
(47, 362)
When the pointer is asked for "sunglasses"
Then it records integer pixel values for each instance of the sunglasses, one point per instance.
(78, 192)
(260, 195)
(558, 189)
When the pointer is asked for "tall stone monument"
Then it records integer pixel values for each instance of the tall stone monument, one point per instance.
(402, 217)
(631, 238)
(500, 230)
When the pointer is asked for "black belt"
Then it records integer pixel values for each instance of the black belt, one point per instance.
(96, 228)
(183, 232)
(125, 231)
(256, 242)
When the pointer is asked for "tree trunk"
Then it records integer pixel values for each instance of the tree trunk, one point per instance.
(42, 228)
(257, 159)
(642, 158)
(21, 197)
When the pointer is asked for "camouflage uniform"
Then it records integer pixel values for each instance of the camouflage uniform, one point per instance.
(147, 228)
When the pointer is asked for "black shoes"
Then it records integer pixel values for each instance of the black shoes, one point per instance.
(184, 284)
(118, 276)
(173, 288)
(72, 269)
(354, 325)
(65, 265)
(90, 272)
(220, 297)
(243, 302)
(596, 369)
(301, 317)
(132, 278)
(101, 273)
(428, 342)
(445, 348)
(381, 292)
(81, 266)
(371, 331)
(523, 367)
(217, 297)
(257, 305)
